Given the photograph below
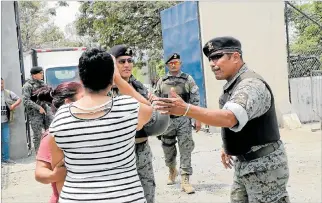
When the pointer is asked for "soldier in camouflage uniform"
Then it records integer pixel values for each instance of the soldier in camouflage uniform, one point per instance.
(39, 114)
(124, 62)
(250, 131)
(181, 126)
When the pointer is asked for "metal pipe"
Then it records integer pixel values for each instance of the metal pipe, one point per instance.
(287, 50)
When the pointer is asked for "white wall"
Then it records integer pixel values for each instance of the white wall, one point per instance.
(10, 72)
(260, 28)
(306, 97)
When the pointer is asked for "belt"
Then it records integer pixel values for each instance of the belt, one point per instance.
(173, 116)
(261, 152)
(141, 140)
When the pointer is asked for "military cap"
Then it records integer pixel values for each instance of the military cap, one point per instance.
(35, 70)
(221, 44)
(173, 56)
(121, 50)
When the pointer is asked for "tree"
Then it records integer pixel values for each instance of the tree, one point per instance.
(136, 23)
(37, 27)
(305, 23)
(307, 33)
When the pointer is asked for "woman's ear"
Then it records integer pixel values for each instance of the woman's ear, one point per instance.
(67, 101)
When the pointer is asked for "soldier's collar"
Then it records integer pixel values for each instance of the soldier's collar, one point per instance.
(231, 81)
(132, 78)
(178, 75)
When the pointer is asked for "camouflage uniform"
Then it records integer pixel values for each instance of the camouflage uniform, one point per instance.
(37, 120)
(180, 128)
(263, 179)
(142, 150)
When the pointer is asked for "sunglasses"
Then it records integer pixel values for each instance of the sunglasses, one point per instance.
(174, 63)
(123, 61)
(218, 56)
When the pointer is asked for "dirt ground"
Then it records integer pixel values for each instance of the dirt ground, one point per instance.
(211, 181)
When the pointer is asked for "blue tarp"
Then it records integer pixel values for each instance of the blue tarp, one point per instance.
(181, 34)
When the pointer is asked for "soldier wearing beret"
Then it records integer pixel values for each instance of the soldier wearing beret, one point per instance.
(39, 114)
(180, 126)
(124, 61)
(250, 130)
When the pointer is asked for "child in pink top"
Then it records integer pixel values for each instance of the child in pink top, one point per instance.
(64, 93)
(45, 156)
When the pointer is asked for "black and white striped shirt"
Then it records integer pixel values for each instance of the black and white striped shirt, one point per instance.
(99, 154)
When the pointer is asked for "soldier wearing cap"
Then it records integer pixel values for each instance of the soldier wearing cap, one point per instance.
(39, 114)
(180, 126)
(250, 131)
(124, 61)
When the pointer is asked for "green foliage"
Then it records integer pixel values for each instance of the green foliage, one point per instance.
(306, 38)
(307, 34)
(37, 27)
(137, 73)
(136, 23)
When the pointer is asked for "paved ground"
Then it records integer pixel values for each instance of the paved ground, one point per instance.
(211, 180)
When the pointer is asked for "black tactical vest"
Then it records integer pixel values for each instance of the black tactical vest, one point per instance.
(258, 131)
(178, 83)
(140, 88)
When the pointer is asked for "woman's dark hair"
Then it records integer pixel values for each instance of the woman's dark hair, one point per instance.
(56, 97)
(96, 69)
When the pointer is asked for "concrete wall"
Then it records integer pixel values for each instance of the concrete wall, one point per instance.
(260, 28)
(10, 72)
(306, 97)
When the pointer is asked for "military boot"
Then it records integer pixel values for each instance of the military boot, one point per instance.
(185, 185)
(172, 175)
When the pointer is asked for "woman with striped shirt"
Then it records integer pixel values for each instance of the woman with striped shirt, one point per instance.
(96, 136)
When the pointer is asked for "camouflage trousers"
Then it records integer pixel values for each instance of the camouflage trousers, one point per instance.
(145, 170)
(38, 123)
(261, 180)
(180, 128)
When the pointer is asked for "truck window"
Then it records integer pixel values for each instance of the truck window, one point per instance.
(56, 75)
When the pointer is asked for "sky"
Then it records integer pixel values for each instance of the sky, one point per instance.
(65, 15)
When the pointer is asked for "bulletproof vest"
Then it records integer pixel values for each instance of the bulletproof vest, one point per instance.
(36, 86)
(178, 83)
(139, 87)
(258, 131)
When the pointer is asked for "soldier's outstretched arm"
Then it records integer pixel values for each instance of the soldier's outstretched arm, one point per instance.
(26, 97)
(251, 99)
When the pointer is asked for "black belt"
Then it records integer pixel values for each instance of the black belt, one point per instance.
(261, 152)
(141, 143)
(173, 116)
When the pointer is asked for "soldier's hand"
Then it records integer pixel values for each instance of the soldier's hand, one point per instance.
(152, 97)
(42, 111)
(173, 105)
(226, 159)
(197, 126)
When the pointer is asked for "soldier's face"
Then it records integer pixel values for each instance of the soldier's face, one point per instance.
(223, 65)
(174, 65)
(39, 76)
(125, 66)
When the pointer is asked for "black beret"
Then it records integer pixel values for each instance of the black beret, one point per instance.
(221, 44)
(35, 70)
(173, 56)
(121, 50)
